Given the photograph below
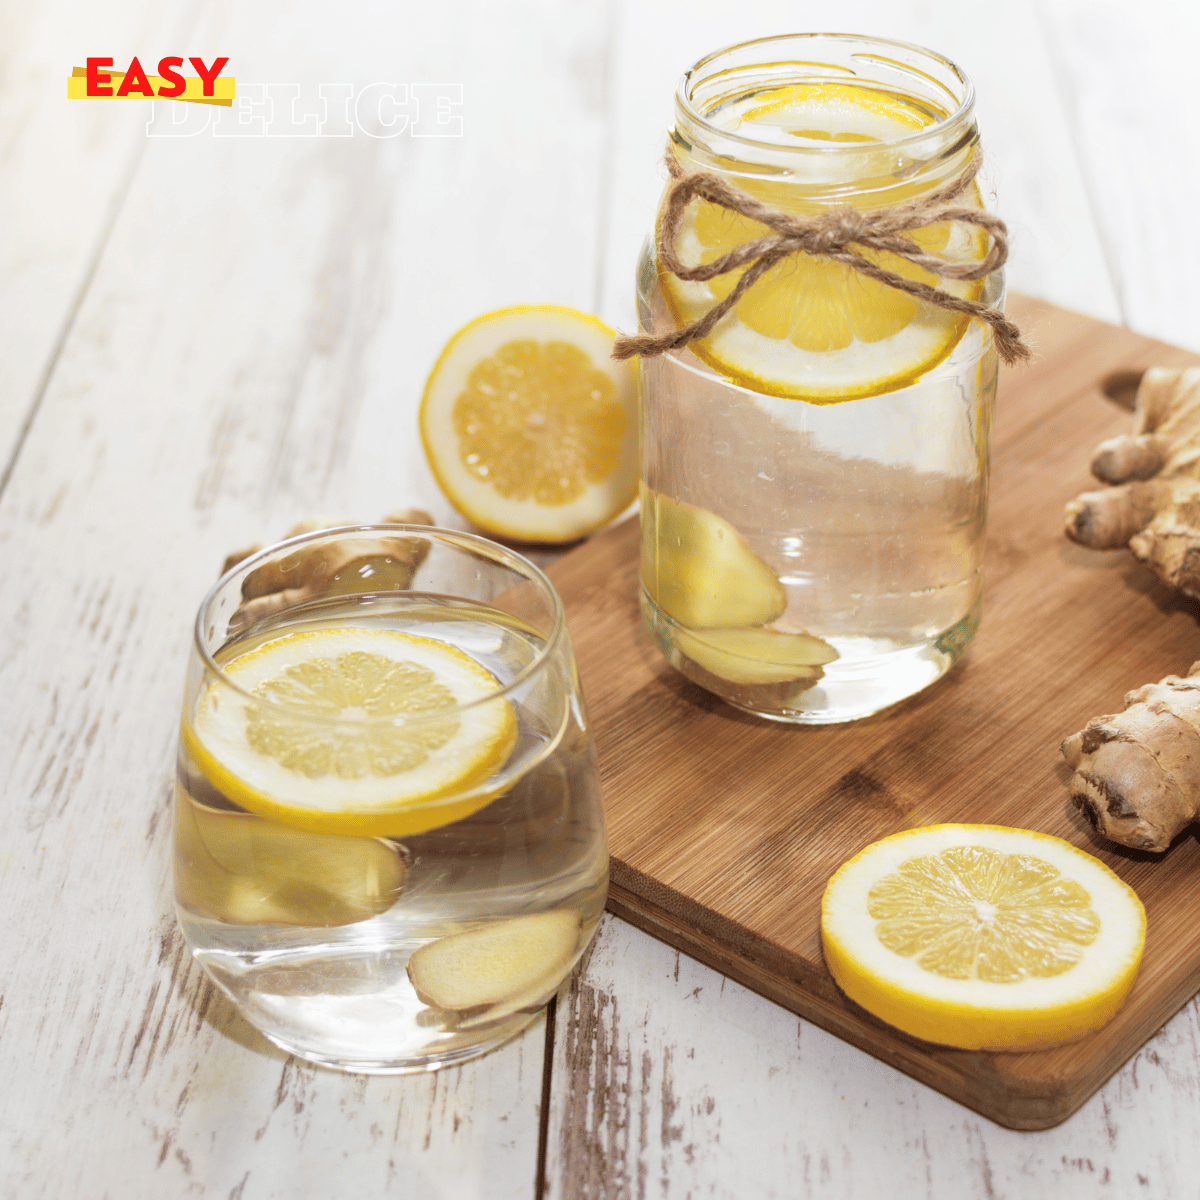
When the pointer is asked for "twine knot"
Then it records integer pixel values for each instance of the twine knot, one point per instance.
(841, 234)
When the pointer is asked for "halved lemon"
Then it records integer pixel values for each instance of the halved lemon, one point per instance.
(983, 937)
(529, 425)
(812, 328)
(354, 731)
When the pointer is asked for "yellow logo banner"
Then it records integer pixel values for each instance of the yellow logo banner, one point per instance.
(99, 81)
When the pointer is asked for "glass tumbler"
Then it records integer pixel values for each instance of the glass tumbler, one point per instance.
(815, 470)
(389, 844)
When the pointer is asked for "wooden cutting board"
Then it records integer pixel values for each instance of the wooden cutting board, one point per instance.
(724, 829)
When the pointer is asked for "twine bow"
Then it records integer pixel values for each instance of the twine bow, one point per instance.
(840, 234)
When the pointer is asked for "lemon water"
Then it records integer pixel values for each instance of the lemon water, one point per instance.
(869, 513)
(313, 934)
(815, 470)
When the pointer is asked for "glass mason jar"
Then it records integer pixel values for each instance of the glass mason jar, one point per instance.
(815, 470)
(389, 843)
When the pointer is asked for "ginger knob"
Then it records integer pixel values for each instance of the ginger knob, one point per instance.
(330, 568)
(1153, 506)
(1137, 773)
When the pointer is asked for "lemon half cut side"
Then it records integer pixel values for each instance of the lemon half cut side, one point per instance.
(373, 732)
(983, 937)
(530, 427)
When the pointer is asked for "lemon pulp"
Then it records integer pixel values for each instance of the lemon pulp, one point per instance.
(538, 421)
(530, 426)
(812, 328)
(972, 912)
(355, 731)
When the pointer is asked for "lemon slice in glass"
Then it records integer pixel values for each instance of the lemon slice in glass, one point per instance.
(355, 731)
(530, 427)
(983, 937)
(812, 328)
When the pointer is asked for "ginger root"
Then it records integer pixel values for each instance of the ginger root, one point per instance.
(328, 569)
(1137, 773)
(1154, 505)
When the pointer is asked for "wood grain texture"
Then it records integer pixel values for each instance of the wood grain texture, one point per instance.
(67, 167)
(250, 350)
(673, 1080)
(724, 829)
(1120, 73)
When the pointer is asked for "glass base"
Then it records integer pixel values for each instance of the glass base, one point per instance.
(872, 673)
(356, 1012)
(421, 1064)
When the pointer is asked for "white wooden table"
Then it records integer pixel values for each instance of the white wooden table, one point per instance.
(207, 337)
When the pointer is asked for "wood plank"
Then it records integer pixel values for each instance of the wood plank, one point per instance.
(733, 871)
(671, 1079)
(66, 165)
(1123, 75)
(251, 350)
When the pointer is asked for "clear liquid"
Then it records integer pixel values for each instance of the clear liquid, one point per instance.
(311, 935)
(870, 513)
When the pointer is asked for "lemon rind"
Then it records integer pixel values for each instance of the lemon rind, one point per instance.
(446, 792)
(855, 372)
(979, 1014)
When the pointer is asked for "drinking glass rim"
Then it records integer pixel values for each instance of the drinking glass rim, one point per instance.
(845, 149)
(494, 550)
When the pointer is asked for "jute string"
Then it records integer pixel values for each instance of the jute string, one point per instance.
(840, 234)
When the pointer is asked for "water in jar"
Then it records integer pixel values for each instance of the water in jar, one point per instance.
(813, 510)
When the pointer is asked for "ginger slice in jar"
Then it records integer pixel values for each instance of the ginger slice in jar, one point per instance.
(755, 655)
(699, 570)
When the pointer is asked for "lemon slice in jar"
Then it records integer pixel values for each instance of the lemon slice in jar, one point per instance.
(530, 427)
(372, 732)
(982, 937)
(812, 328)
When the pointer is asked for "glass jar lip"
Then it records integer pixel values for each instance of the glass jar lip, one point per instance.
(834, 149)
(469, 541)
